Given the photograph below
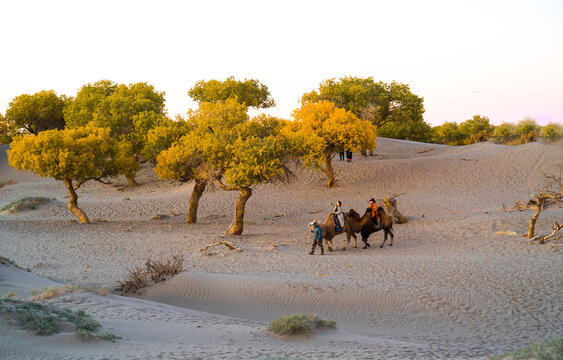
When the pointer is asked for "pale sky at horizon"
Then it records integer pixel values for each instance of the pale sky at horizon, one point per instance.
(501, 59)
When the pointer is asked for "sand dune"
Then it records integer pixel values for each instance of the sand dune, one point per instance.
(449, 287)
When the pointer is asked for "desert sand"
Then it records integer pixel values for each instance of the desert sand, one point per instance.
(449, 287)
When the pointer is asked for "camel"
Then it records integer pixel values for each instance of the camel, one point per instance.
(366, 225)
(329, 231)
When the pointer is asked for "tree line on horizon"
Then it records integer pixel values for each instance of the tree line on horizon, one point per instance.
(107, 129)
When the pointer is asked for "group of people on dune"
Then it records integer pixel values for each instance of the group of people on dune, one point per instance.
(338, 216)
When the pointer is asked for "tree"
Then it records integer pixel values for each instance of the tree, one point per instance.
(73, 156)
(321, 129)
(380, 103)
(551, 131)
(249, 92)
(528, 129)
(476, 129)
(408, 130)
(448, 133)
(164, 136)
(504, 133)
(7, 130)
(130, 111)
(38, 112)
(227, 147)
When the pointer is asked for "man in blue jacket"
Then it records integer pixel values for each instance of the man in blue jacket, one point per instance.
(317, 237)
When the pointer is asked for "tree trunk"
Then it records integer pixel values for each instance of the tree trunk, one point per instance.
(364, 152)
(131, 180)
(197, 193)
(534, 218)
(238, 222)
(329, 171)
(73, 203)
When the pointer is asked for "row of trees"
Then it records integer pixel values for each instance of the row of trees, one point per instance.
(108, 128)
(479, 129)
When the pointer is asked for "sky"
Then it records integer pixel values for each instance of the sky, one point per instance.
(500, 59)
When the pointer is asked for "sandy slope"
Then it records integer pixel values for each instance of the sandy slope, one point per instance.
(449, 287)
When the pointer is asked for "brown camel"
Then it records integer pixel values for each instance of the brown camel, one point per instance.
(367, 227)
(329, 230)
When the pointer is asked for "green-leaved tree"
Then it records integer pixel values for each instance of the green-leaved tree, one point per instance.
(38, 112)
(249, 92)
(129, 111)
(73, 156)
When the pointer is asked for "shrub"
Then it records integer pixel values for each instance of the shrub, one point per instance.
(504, 133)
(298, 324)
(27, 203)
(41, 319)
(551, 350)
(551, 131)
(154, 270)
(528, 129)
(476, 129)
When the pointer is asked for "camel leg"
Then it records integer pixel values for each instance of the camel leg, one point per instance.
(392, 236)
(355, 241)
(365, 240)
(329, 244)
(347, 241)
(384, 239)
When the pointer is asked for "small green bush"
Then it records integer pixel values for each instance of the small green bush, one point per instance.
(551, 132)
(552, 350)
(38, 322)
(298, 324)
(41, 319)
(28, 203)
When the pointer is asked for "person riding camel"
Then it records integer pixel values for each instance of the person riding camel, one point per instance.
(374, 212)
(338, 216)
(317, 236)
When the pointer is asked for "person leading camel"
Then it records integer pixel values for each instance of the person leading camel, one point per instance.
(374, 212)
(317, 237)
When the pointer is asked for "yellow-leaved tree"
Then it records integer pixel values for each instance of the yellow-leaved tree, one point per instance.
(321, 129)
(73, 156)
(229, 148)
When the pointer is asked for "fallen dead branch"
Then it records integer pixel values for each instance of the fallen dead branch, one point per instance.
(551, 237)
(423, 150)
(228, 244)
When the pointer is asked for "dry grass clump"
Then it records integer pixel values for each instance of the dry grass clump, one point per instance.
(299, 324)
(52, 291)
(55, 291)
(28, 203)
(6, 183)
(154, 271)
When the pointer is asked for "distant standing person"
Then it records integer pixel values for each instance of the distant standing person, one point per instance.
(348, 155)
(317, 237)
(342, 156)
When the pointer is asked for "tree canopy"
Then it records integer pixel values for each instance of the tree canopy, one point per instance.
(378, 102)
(321, 129)
(38, 112)
(249, 92)
(70, 155)
(129, 111)
(476, 129)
